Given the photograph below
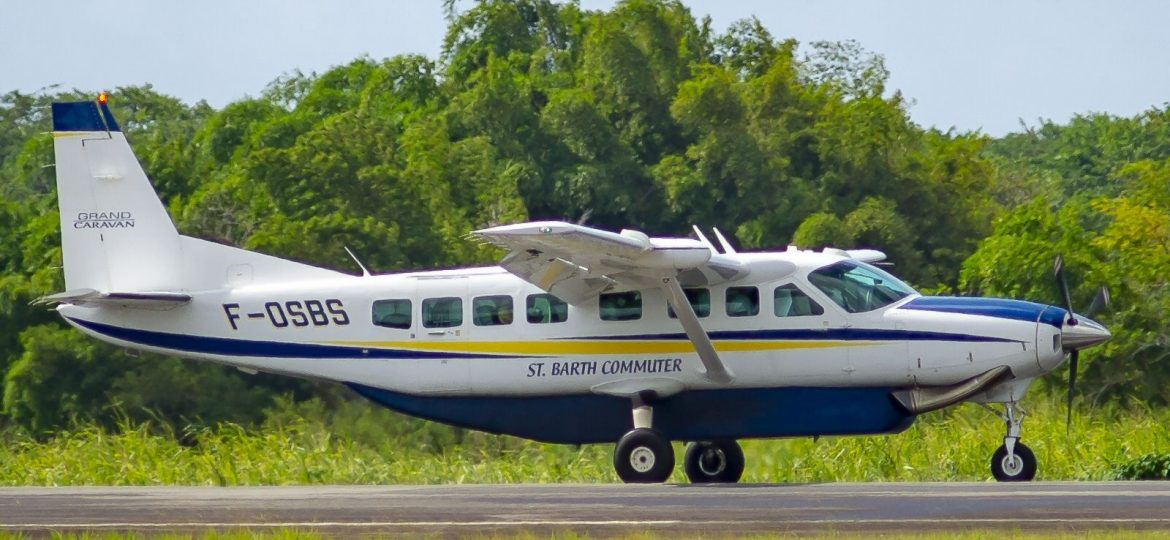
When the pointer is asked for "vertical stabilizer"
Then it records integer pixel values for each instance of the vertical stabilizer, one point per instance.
(115, 232)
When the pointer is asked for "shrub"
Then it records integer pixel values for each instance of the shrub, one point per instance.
(1147, 467)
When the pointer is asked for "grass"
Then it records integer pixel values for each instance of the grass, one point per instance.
(951, 445)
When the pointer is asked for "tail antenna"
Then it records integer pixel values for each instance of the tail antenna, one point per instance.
(365, 273)
(723, 242)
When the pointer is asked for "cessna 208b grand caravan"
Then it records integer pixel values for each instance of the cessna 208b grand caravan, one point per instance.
(578, 336)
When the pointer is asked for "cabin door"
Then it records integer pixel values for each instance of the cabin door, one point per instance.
(443, 319)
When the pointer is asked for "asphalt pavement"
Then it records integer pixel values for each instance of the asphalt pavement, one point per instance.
(594, 509)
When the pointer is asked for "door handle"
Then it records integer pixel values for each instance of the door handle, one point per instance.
(437, 332)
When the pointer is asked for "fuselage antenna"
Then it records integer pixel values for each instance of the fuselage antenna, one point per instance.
(365, 273)
(723, 242)
(703, 239)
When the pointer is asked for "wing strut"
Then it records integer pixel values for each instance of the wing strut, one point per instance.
(715, 371)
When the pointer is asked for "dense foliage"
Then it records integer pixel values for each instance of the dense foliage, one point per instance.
(640, 117)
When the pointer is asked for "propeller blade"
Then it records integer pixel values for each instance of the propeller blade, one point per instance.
(1074, 356)
(1100, 302)
(1062, 283)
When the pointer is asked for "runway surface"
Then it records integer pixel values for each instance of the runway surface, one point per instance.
(594, 509)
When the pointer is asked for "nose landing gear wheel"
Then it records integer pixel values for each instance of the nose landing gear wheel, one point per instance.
(711, 462)
(642, 456)
(1020, 467)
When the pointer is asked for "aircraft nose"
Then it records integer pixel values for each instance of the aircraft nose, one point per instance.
(1085, 333)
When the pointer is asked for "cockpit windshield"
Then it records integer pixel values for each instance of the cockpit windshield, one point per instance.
(859, 287)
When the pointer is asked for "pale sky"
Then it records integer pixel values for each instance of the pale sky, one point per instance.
(968, 65)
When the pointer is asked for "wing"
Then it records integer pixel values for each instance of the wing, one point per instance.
(577, 263)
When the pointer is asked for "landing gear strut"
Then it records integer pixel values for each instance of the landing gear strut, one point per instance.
(1013, 462)
(643, 456)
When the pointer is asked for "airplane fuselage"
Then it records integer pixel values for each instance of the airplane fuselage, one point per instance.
(325, 329)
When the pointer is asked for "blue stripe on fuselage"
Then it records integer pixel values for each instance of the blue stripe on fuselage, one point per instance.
(277, 349)
(1017, 310)
(244, 347)
(843, 334)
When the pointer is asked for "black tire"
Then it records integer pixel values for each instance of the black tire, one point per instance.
(714, 462)
(1022, 470)
(643, 456)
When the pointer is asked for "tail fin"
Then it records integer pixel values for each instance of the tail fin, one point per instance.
(116, 234)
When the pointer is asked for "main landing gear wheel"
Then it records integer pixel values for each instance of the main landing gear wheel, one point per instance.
(642, 456)
(1019, 467)
(714, 462)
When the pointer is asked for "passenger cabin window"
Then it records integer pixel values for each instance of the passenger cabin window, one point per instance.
(546, 308)
(442, 312)
(623, 306)
(392, 313)
(700, 300)
(743, 301)
(790, 301)
(858, 287)
(492, 310)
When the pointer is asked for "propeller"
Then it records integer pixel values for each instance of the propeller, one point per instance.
(1101, 301)
(1058, 271)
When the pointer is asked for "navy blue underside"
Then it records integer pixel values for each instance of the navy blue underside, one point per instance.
(687, 416)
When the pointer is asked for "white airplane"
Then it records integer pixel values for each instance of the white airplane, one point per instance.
(618, 337)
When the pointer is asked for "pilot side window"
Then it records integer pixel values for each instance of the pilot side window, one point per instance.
(858, 287)
(546, 308)
(491, 310)
(392, 313)
(743, 301)
(442, 312)
(700, 300)
(789, 301)
(623, 306)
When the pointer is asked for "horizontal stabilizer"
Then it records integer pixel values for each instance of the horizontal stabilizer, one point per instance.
(156, 300)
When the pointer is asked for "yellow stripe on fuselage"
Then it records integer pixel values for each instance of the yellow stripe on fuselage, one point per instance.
(583, 347)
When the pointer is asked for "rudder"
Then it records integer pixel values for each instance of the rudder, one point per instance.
(115, 232)
(116, 235)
